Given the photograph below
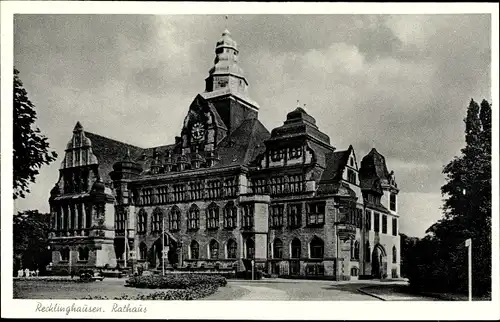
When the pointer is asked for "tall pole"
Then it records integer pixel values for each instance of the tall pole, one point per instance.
(468, 244)
(163, 245)
(125, 248)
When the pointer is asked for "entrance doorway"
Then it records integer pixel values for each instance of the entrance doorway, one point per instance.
(157, 254)
(379, 262)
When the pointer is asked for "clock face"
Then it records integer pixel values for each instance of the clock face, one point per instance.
(197, 131)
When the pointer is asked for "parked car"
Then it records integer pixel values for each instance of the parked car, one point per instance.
(88, 275)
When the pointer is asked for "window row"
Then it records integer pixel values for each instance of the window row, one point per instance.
(377, 224)
(72, 217)
(290, 153)
(173, 219)
(198, 190)
(83, 254)
(316, 248)
(278, 185)
(315, 215)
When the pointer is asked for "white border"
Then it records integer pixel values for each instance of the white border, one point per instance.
(239, 309)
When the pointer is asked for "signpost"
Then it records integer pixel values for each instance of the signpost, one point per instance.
(253, 268)
(468, 244)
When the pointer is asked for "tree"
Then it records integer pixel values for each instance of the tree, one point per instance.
(31, 233)
(30, 146)
(467, 214)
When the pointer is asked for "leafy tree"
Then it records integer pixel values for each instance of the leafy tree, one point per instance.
(31, 232)
(408, 245)
(30, 146)
(441, 256)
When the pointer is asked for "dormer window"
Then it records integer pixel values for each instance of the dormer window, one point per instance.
(351, 176)
(295, 152)
(351, 162)
(277, 155)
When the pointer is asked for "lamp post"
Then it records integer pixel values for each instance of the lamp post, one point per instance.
(468, 244)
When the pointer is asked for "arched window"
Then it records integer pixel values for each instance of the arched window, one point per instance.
(213, 216)
(354, 271)
(231, 248)
(83, 254)
(143, 251)
(394, 254)
(296, 248)
(195, 250)
(250, 248)
(230, 215)
(214, 249)
(156, 223)
(277, 248)
(317, 247)
(142, 221)
(356, 250)
(367, 252)
(65, 254)
(194, 217)
(174, 219)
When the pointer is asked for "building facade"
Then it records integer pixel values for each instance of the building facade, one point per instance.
(227, 193)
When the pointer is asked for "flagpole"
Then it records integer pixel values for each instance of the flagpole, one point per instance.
(126, 242)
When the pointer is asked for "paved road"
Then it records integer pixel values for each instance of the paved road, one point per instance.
(264, 290)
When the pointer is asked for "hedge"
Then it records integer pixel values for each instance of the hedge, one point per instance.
(175, 281)
(190, 293)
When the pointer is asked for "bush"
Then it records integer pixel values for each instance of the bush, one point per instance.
(175, 281)
(190, 293)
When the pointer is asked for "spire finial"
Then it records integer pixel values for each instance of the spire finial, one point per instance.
(298, 103)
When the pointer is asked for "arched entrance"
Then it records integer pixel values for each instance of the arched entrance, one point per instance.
(379, 262)
(156, 251)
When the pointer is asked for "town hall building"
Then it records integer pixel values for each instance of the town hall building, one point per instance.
(227, 193)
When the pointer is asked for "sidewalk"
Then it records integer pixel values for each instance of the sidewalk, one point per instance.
(394, 293)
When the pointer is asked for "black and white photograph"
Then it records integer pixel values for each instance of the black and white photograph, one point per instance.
(212, 157)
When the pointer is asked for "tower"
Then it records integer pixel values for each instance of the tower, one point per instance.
(226, 87)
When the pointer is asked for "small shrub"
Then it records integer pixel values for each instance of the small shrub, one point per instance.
(175, 281)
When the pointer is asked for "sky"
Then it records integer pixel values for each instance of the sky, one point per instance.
(399, 83)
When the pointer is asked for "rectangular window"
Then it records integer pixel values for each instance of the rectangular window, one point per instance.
(277, 155)
(230, 215)
(213, 217)
(351, 176)
(294, 215)
(359, 218)
(230, 187)
(384, 224)
(368, 220)
(196, 190)
(259, 186)
(178, 192)
(146, 196)
(394, 226)
(248, 213)
(277, 185)
(295, 184)
(295, 153)
(392, 204)
(214, 189)
(277, 216)
(316, 214)
(315, 269)
(162, 195)
(376, 222)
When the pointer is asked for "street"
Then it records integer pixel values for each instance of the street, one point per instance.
(268, 289)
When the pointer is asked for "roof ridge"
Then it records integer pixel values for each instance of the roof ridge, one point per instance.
(114, 140)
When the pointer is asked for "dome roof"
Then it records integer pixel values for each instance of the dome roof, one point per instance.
(226, 41)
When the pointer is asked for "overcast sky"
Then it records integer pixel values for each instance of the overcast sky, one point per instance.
(400, 83)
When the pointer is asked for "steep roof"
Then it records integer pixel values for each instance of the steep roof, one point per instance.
(108, 151)
(334, 164)
(373, 171)
(243, 144)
